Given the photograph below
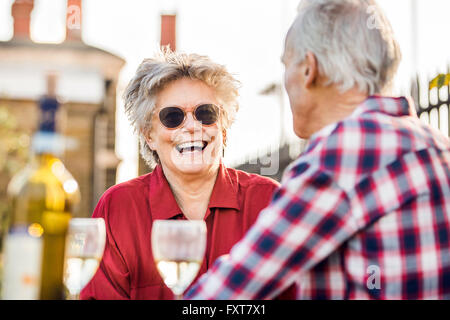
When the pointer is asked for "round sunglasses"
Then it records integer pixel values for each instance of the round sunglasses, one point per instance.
(174, 117)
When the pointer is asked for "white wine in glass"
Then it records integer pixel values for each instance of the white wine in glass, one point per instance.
(178, 248)
(85, 243)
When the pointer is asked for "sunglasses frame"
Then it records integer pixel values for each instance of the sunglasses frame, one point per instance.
(191, 110)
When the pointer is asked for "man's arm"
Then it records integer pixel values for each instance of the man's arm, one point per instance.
(308, 218)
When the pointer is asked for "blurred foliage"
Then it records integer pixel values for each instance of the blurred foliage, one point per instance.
(14, 145)
(14, 150)
(440, 81)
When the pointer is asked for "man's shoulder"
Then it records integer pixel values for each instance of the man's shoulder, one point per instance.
(380, 135)
(360, 145)
(368, 135)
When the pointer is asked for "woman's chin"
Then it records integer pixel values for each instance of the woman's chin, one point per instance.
(192, 169)
(194, 163)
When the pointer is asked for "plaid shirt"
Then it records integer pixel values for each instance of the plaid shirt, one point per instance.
(363, 213)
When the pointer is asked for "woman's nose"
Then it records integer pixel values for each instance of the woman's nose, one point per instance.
(191, 124)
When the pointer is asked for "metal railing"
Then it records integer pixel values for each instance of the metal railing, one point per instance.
(432, 105)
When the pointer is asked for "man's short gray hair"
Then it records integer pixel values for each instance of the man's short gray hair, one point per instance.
(352, 41)
(166, 66)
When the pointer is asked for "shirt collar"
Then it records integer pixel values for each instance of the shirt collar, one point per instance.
(162, 202)
(399, 106)
(225, 191)
(164, 206)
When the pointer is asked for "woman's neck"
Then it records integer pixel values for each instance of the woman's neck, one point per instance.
(192, 192)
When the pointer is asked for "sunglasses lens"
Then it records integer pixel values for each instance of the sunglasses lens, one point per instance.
(171, 117)
(207, 114)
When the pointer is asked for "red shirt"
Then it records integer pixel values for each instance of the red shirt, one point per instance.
(127, 269)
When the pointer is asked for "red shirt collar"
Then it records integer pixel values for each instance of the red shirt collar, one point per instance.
(164, 206)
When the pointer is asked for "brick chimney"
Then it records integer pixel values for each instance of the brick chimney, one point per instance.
(73, 20)
(21, 13)
(168, 30)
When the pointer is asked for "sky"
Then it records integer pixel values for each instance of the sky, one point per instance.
(246, 36)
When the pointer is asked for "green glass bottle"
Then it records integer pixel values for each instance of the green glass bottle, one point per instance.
(43, 197)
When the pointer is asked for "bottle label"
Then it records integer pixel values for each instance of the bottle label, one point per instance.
(22, 269)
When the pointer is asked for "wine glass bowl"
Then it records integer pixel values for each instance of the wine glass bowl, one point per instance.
(85, 243)
(178, 248)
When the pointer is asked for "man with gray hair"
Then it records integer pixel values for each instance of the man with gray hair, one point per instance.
(364, 212)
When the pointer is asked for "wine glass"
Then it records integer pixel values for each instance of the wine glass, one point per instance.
(178, 249)
(85, 243)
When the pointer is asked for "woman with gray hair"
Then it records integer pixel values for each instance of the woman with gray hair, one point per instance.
(181, 106)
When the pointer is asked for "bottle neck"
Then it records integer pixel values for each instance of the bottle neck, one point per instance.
(45, 157)
(45, 160)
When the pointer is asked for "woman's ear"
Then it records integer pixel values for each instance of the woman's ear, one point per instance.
(148, 138)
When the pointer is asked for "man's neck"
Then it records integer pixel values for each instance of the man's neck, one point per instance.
(334, 106)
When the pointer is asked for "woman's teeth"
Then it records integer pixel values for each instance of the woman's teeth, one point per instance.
(191, 146)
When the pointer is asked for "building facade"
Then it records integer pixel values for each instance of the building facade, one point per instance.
(87, 80)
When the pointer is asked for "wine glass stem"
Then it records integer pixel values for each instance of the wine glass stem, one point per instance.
(73, 296)
(178, 296)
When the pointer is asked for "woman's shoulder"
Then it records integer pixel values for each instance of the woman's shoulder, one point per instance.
(246, 179)
(124, 200)
(254, 191)
(131, 188)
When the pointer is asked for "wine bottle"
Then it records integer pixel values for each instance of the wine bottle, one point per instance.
(43, 197)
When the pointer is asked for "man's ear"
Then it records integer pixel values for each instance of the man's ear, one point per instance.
(311, 69)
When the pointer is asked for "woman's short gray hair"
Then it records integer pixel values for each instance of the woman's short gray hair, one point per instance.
(352, 40)
(166, 66)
